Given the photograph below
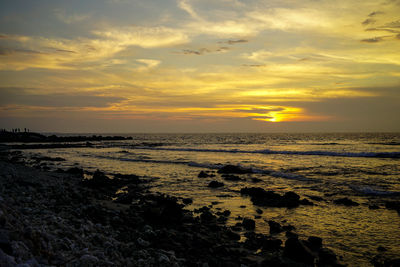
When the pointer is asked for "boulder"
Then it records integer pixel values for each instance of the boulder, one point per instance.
(297, 251)
(345, 201)
(274, 227)
(249, 224)
(234, 169)
(215, 184)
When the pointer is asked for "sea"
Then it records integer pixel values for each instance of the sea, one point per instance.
(364, 167)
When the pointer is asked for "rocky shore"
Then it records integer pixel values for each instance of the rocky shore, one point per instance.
(61, 219)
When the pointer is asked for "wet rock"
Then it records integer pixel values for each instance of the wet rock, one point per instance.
(296, 250)
(315, 198)
(345, 201)
(373, 207)
(259, 211)
(290, 234)
(306, 202)
(99, 180)
(234, 169)
(255, 180)
(261, 197)
(203, 174)
(187, 201)
(249, 224)
(207, 216)
(274, 227)
(314, 242)
(393, 205)
(272, 244)
(381, 249)
(230, 177)
(215, 184)
(326, 256)
(76, 171)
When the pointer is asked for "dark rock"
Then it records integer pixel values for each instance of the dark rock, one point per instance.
(232, 235)
(203, 174)
(234, 169)
(76, 171)
(296, 250)
(373, 207)
(163, 210)
(272, 244)
(249, 224)
(207, 216)
(288, 227)
(187, 201)
(255, 180)
(345, 201)
(306, 202)
(99, 180)
(274, 227)
(261, 197)
(315, 243)
(326, 256)
(230, 177)
(381, 249)
(315, 198)
(259, 211)
(215, 184)
(5, 244)
(290, 234)
(393, 205)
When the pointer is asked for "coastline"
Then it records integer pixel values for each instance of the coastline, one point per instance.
(53, 218)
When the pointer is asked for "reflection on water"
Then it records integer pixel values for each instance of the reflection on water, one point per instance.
(174, 161)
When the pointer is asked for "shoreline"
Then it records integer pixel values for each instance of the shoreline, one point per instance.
(52, 218)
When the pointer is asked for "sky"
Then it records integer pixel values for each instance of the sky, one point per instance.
(121, 66)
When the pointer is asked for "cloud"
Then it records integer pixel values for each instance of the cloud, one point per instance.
(375, 13)
(203, 51)
(368, 21)
(233, 42)
(372, 40)
(70, 19)
(60, 53)
(20, 96)
(148, 64)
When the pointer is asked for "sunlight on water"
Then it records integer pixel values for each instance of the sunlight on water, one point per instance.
(363, 167)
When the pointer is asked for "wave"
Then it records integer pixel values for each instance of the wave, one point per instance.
(277, 174)
(366, 190)
(283, 152)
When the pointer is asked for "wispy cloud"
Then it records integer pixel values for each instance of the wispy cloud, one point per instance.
(70, 18)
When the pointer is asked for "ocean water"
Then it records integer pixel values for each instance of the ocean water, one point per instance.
(363, 167)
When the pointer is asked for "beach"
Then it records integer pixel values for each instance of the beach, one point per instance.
(63, 210)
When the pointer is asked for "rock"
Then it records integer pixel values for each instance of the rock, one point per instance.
(326, 256)
(393, 205)
(99, 180)
(207, 216)
(259, 211)
(272, 244)
(345, 201)
(306, 202)
(290, 234)
(255, 180)
(6, 260)
(5, 244)
(261, 197)
(142, 242)
(373, 207)
(315, 198)
(274, 227)
(230, 177)
(315, 243)
(187, 201)
(381, 249)
(234, 169)
(215, 184)
(88, 260)
(296, 250)
(75, 171)
(249, 224)
(203, 174)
